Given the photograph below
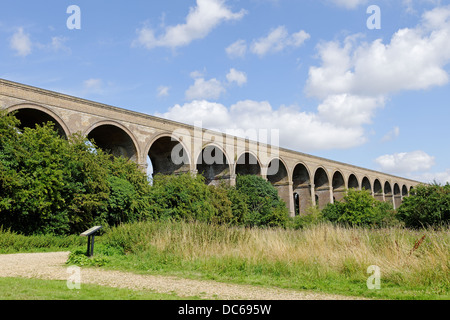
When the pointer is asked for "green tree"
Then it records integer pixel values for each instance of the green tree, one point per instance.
(359, 208)
(265, 208)
(184, 196)
(428, 205)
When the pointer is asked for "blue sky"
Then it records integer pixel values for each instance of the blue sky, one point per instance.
(312, 69)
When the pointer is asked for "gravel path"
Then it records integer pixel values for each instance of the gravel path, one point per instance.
(51, 266)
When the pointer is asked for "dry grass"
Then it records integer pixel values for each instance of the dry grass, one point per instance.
(320, 250)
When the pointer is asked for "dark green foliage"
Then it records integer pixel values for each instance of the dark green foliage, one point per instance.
(359, 208)
(183, 197)
(52, 185)
(428, 205)
(265, 208)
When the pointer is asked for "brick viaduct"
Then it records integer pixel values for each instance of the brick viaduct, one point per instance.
(302, 180)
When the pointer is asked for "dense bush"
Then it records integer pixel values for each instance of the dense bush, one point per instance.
(428, 205)
(265, 208)
(181, 197)
(52, 185)
(359, 208)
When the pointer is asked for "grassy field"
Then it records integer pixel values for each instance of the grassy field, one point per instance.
(35, 289)
(324, 258)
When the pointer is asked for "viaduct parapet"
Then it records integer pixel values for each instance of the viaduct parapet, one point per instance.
(302, 180)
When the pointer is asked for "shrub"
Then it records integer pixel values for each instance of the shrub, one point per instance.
(181, 197)
(265, 208)
(359, 208)
(313, 216)
(428, 205)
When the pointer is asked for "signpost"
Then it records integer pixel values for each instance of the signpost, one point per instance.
(91, 237)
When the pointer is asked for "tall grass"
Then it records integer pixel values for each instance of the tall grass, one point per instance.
(313, 258)
(11, 242)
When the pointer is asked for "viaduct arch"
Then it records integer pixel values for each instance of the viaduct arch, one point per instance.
(302, 180)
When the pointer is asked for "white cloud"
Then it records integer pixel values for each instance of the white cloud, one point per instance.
(213, 88)
(57, 44)
(205, 89)
(237, 76)
(298, 130)
(356, 78)
(277, 40)
(391, 135)
(237, 49)
(213, 115)
(21, 43)
(200, 21)
(349, 110)
(348, 4)
(93, 86)
(413, 60)
(406, 162)
(163, 91)
(430, 177)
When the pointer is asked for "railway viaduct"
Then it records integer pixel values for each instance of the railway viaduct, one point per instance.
(302, 180)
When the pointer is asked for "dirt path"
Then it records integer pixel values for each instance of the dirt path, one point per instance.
(51, 266)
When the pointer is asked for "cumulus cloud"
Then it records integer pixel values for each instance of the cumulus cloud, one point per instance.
(297, 130)
(356, 77)
(200, 21)
(239, 77)
(205, 89)
(429, 177)
(213, 88)
(277, 40)
(414, 59)
(21, 43)
(406, 162)
(416, 165)
(237, 49)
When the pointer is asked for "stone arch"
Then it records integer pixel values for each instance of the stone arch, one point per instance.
(114, 138)
(248, 164)
(213, 164)
(365, 184)
(338, 185)
(168, 155)
(30, 115)
(353, 182)
(322, 188)
(397, 196)
(378, 190)
(405, 191)
(297, 203)
(301, 186)
(278, 176)
(388, 192)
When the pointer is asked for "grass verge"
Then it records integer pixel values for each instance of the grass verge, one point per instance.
(36, 289)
